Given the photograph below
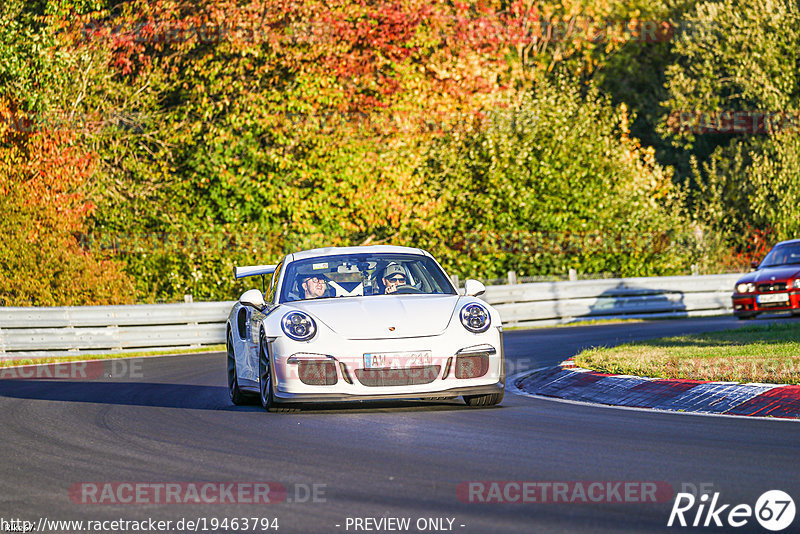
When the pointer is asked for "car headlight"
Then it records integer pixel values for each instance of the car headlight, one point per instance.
(475, 318)
(745, 288)
(298, 326)
(796, 284)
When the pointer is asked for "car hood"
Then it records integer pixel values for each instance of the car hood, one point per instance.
(769, 274)
(383, 316)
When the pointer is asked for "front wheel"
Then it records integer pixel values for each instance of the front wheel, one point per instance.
(264, 376)
(265, 386)
(484, 400)
(238, 397)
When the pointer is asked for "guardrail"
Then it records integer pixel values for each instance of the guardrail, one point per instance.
(37, 332)
(548, 303)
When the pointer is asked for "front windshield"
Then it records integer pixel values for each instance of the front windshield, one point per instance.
(782, 255)
(356, 275)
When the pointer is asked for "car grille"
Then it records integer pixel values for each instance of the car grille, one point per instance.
(317, 373)
(764, 305)
(772, 286)
(398, 377)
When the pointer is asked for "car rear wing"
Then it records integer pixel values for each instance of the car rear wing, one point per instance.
(253, 270)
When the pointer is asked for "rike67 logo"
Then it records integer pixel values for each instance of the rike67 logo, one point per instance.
(774, 510)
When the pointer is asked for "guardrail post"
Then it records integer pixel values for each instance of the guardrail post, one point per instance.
(573, 275)
(512, 277)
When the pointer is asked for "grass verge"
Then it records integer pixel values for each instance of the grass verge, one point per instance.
(13, 362)
(769, 354)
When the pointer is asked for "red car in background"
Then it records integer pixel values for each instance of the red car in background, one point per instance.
(774, 285)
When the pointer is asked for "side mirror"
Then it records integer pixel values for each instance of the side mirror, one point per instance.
(474, 288)
(754, 265)
(254, 298)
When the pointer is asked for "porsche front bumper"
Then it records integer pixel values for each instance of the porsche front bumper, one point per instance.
(334, 369)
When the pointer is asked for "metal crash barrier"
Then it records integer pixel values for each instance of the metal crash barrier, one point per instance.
(38, 332)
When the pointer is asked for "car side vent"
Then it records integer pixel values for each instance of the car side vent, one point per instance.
(241, 323)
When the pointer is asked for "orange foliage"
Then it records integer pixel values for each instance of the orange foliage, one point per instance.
(42, 176)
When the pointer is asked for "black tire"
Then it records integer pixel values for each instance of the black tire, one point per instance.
(264, 376)
(238, 397)
(265, 387)
(745, 316)
(484, 400)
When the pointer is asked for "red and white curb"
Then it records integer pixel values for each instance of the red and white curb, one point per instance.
(674, 395)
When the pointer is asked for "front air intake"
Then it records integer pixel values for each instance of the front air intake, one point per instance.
(472, 365)
(398, 377)
(317, 373)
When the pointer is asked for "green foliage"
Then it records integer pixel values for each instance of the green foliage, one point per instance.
(635, 74)
(225, 133)
(741, 57)
(553, 183)
(41, 182)
(224, 155)
(775, 178)
(737, 56)
(30, 73)
(43, 175)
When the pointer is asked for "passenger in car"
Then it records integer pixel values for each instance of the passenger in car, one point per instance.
(314, 286)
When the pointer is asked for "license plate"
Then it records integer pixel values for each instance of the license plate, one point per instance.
(397, 360)
(776, 297)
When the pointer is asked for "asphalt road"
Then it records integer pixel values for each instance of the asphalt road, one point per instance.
(168, 419)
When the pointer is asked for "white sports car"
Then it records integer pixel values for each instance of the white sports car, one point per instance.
(361, 323)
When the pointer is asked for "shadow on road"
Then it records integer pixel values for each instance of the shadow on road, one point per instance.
(121, 393)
